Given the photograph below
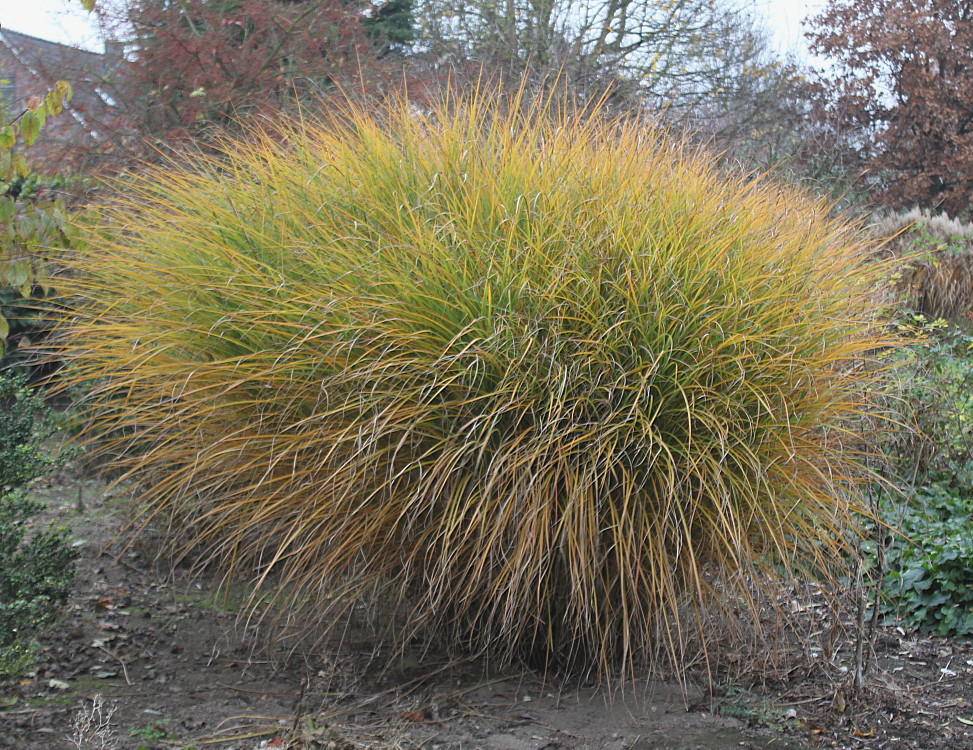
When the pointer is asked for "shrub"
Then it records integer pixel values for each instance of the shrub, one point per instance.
(25, 423)
(32, 222)
(930, 582)
(553, 384)
(930, 556)
(933, 275)
(36, 573)
(36, 566)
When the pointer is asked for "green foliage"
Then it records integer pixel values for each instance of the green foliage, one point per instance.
(36, 573)
(150, 732)
(26, 128)
(935, 400)
(553, 385)
(391, 25)
(29, 224)
(929, 583)
(35, 228)
(24, 424)
(36, 565)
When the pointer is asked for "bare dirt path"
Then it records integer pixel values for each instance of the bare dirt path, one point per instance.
(162, 652)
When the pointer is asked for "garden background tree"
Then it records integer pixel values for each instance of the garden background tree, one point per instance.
(639, 46)
(902, 93)
(197, 64)
(755, 103)
(678, 58)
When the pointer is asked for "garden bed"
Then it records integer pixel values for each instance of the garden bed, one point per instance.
(164, 651)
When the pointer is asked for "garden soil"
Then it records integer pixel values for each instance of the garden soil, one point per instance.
(164, 658)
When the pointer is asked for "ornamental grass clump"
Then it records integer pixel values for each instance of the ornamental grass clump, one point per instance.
(930, 258)
(553, 387)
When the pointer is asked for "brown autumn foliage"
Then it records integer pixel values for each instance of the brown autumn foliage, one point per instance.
(902, 91)
(197, 67)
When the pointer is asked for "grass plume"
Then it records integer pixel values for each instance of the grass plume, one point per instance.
(932, 260)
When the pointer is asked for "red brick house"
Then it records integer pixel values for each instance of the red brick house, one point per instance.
(30, 66)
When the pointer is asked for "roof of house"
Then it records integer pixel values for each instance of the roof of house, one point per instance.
(48, 62)
(40, 54)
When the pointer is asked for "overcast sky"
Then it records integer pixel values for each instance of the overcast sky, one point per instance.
(65, 21)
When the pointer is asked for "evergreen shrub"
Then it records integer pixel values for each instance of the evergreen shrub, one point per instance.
(36, 565)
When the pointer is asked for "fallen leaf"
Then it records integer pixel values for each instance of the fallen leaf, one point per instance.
(413, 715)
(968, 722)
